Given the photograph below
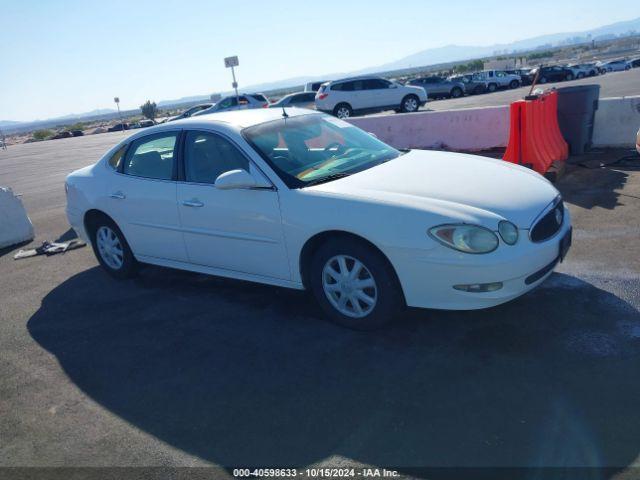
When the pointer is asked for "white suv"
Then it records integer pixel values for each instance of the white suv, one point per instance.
(368, 94)
(498, 79)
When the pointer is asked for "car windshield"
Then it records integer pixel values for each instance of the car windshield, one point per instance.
(311, 149)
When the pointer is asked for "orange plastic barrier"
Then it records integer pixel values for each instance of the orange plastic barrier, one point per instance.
(534, 134)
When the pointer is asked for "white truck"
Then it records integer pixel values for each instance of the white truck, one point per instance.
(498, 79)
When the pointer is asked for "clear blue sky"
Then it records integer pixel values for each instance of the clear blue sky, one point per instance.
(72, 56)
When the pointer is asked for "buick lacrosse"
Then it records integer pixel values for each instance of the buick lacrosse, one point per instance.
(303, 200)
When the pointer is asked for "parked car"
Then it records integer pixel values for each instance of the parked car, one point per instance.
(313, 86)
(555, 73)
(523, 73)
(472, 85)
(615, 66)
(439, 87)
(635, 63)
(77, 133)
(582, 70)
(63, 134)
(366, 94)
(241, 102)
(118, 127)
(297, 201)
(299, 99)
(638, 141)
(498, 79)
(143, 124)
(190, 111)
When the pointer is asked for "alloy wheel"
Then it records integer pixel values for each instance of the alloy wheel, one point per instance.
(349, 286)
(110, 248)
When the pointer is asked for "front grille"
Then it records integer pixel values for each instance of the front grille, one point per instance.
(549, 224)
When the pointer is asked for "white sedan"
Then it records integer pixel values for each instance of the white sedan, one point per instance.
(300, 199)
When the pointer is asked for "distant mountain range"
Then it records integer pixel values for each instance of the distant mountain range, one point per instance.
(431, 56)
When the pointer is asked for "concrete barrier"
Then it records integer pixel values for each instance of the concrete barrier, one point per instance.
(617, 121)
(15, 226)
(471, 129)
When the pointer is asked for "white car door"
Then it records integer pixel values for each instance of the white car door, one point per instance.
(141, 197)
(237, 229)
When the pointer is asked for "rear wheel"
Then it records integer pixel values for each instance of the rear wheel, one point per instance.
(410, 104)
(514, 84)
(569, 76)
(354, 284)
(111, 248)
(492, 87)
(542, 80)
(456, 92)
(343, 110)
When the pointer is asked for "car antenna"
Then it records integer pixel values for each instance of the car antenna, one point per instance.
(284, 113)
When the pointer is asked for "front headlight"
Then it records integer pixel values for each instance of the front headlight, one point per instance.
(508, 231)
(466, 238)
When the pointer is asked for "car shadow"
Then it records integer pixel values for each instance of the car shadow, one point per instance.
(247, 375)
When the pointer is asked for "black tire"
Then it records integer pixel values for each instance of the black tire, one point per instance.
(341, 109)
(388, 294)
(580, 75)
(514, 84)
(542, 80)
(130, 265)
(627, 67)
(456, 92)
(569, 77)
(410, 104)
(492, 87)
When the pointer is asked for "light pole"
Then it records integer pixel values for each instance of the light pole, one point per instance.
(117, 100)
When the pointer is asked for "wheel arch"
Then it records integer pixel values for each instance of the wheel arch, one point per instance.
(90, 218)
(316, 241)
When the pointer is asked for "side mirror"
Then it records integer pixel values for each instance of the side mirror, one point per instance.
(235, 179)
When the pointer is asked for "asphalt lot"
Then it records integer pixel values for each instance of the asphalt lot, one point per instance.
(180, 369)
(614, 84)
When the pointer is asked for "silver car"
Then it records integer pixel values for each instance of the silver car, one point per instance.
(299, 99)
(241, 102)
(438, 87)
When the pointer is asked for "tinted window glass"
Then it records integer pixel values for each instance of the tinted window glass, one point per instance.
(375, 84)
(207, 156)
(228, 102)
(152, 157)
(259, 97)
(116, 158)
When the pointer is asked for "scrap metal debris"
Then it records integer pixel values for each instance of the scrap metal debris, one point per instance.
(50, 248)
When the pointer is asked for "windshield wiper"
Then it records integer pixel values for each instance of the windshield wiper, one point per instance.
(328, 178)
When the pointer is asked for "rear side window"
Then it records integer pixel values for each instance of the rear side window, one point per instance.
(375, 84)
(116, 159)
(259, 97)
(207, 156)
(152, 157)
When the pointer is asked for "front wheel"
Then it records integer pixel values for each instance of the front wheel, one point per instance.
(492, 87)
(542, 80)
(569, 77)
(343, 110)
(354, 284)
(410, 104)
(112, 250)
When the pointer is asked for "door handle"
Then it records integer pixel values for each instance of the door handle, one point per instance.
(118, 195)
(193, 203)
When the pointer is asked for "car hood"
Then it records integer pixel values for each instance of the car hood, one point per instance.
(459, 186)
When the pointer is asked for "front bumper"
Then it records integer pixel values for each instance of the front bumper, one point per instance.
(428, 276)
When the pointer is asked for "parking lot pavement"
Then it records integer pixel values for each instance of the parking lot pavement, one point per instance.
(613, 84)
(180, 369)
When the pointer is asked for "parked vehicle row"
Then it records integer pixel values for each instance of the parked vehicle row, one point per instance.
(370, 93)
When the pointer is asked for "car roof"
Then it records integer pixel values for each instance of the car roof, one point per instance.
(359, 77)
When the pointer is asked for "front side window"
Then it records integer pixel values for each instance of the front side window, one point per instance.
(375, 84)
(313, 148)
(207, 156)
(152, 157)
